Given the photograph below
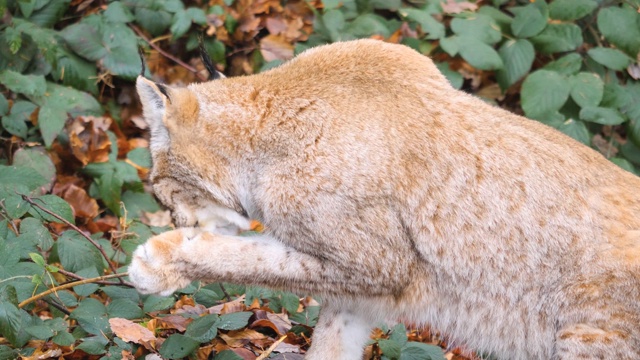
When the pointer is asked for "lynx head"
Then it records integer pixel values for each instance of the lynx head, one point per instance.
(190, 174)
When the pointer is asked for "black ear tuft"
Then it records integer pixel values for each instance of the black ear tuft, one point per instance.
(208, 64)
(164, 91)
(141, 53)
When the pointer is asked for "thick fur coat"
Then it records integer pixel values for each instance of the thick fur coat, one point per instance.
(395, 196)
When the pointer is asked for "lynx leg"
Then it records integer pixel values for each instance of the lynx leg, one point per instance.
(583, 341)
(340, 334)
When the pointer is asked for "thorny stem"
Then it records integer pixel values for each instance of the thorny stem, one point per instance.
(275, 344)
(78, 277)
(224, 291)
(164, 53)
(66, 222)
(69, 285)
(4, 214)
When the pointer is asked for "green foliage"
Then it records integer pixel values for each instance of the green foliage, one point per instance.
(571, 64)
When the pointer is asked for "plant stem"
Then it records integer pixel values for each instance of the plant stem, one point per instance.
(275, 344)
(69, 285)
(164, 53)
(69, 224)
(78, 277)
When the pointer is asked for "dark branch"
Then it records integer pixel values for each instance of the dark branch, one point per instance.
(213, 73)
(141, 53)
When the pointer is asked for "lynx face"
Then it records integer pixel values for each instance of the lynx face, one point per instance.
(175, 177)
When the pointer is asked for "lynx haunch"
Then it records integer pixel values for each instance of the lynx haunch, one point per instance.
(395, 196)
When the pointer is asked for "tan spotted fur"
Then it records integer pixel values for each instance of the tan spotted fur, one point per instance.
(394, 196)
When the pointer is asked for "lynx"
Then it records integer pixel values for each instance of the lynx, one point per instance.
(394, 196)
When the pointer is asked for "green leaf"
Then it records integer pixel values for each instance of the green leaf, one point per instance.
(75, 71)
(566, 65)
(203, 329)
(16, 122)
(93, 346)
(624, 164)
(87, 289)
(420, 351)
(571, 9)
(91, 314)
(154, 21)
(366, 25)
(21, 175)
(430, 26)
(51, 120)
(399, 334)
(31, 229)
(291, 302)
(4, 105)
(40, 332)
(7, 353)
(110, 187)
(334, 23)
(136, 202)
(124, 308)
(234, 321)
(10, 321)
(454, 77)
(117, 12)
(517, 56)
(390, 348)
(29, 85)
(140, 156)
(479, 55)
(38, 259)
(76, 253)
(178, 346)
(529, 21)
(54, 204)
(577, 130)
(558, 38)
(611, 58)
(63, 338)
(478, 26)
(84, 40)
(307, 317)
(586, 89)
(48, 15)
(620, 27)
(37, 160)
(157, 303)
(180, 24)
(544, 92)
(600, 115)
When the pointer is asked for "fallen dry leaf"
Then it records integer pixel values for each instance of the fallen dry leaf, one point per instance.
(242, 337)
(454, 7)
(274, 47)
(129, 331)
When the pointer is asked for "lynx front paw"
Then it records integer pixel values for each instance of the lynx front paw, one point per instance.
(156, 264)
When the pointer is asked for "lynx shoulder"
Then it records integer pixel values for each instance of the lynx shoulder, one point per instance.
(395, 196)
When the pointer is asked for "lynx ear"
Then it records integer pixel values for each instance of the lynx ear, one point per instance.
(154, 98)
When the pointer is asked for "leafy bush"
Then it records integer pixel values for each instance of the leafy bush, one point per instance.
(74, 159)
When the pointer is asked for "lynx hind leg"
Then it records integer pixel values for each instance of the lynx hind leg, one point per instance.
(340, 334)
(583, 341)
(153, 268)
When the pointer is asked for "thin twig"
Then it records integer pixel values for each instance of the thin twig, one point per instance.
(166, 54)
(224, 291)
(58, 306)
(5, 215)
(78, 277)
(275, 344)
(69, 285)
(69, 224)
